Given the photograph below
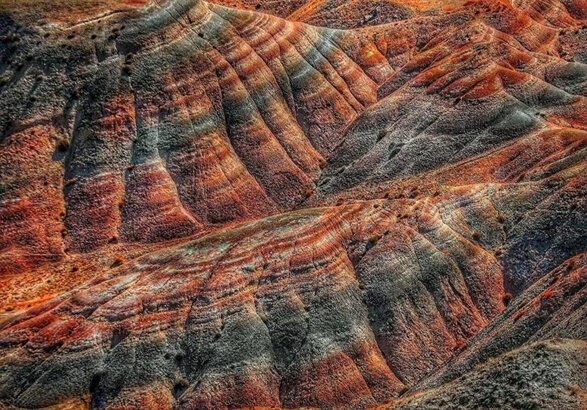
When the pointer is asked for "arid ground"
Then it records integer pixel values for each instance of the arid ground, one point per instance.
(282, 204)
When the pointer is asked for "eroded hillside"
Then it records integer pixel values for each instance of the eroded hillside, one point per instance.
(287, 204)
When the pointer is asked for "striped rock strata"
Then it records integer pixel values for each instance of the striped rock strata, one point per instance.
(207, 207)
(291, 310)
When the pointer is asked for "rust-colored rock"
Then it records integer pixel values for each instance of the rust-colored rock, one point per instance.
(293, 204)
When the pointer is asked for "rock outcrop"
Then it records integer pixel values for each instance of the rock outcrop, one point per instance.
(206, 207)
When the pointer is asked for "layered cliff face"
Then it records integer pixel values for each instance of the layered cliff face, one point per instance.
(205, 206)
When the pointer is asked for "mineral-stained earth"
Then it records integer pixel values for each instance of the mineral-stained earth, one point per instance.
(293, 203)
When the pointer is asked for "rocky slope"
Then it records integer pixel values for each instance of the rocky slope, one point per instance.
(541, 375)
(205, 206)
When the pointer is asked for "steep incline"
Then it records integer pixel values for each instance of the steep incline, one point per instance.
(464, 83)
(542, 375)
(554, 307)
(156, 127)
(262, 315)
(204, 206)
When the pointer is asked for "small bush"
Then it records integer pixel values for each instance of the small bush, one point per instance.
(506, 298)
(62, 145)
(476, 235)
(500, 219)
(179, 388)
(117, 262)
(374, 239)
(126, 69)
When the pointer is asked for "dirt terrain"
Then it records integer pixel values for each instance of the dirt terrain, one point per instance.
(288, 204)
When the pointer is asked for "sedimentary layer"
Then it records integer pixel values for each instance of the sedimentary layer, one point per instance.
(205, 206)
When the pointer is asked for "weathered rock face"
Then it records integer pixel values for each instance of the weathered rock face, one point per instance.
(191, 115)
(278, 304)
(541, 375)
(207, 207)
